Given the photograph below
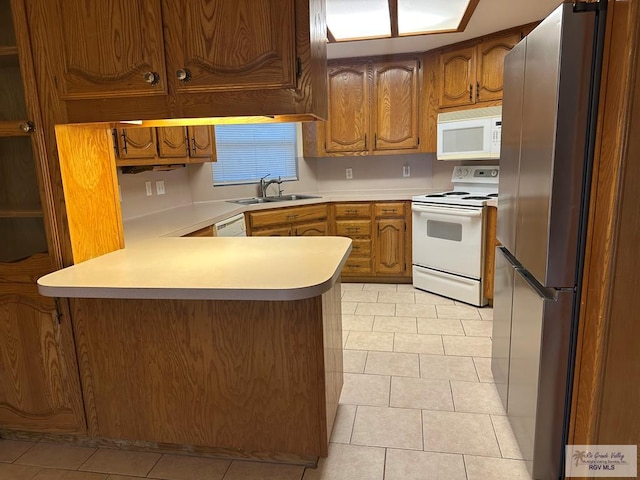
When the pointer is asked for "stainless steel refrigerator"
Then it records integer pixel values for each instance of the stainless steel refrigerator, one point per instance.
(549, 111)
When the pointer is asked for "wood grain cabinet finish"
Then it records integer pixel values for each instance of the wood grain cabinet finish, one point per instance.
(348, 122)
(395, 105)
(238, 45)
(194, 142)
(39, 382)
(474, 73)
(110, 48)
(490, 243)
(39, 386)
(289, 221)
(373, 109)
(116, 60)
(165, 145)
(391, 238)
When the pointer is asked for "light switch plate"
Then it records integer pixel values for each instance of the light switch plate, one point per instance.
(160, 187)
(349, 173)
(406, 171)
(148, 187)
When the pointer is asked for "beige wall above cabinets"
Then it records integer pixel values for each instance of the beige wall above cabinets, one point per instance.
(374, 109)
(164, 145)
(156, 59)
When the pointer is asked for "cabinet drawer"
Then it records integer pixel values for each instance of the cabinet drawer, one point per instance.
(353, 228)
(353, 209)
(390, 209)
(272, 232)
(360, 248)
(355, 266)
(287, 215)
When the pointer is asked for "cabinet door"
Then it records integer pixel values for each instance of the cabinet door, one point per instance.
(348, 122)
(490, 68)
(390, 246)
(458, 77)
(137, 143)
(230, 45)
(109, 48)
(38, 390)
(202, 145)
(395, 105)
(310, 229)
(172, 142)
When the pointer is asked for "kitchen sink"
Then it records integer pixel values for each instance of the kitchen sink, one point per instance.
(283, 198)
(293, 196)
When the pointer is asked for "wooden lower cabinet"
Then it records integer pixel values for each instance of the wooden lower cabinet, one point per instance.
(490, 243)
(308, 220)
(252, 379)
(390, 246)
(39, 384)
(381, 245)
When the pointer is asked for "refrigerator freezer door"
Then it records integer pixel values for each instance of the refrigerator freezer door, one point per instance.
(501, 336)
(510, 157)
(539, 360)
(554, 135)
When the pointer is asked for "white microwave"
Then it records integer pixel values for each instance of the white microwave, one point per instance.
(473, 134)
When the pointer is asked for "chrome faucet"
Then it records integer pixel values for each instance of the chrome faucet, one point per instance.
(264, 184)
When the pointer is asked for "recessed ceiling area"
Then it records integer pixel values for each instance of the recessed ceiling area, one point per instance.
(489, 16)
(369, 19)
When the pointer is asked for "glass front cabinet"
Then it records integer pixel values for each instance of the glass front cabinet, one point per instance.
(39, 387)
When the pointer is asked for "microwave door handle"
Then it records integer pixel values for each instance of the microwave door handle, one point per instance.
(458, 212)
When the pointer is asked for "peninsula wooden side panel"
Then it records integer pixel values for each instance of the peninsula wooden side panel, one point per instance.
(255, 378)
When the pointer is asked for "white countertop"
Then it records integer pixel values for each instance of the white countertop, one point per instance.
(180, 221)
(246, 268)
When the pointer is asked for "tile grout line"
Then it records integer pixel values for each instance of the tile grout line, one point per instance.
(493, 426)
(384, 464)
(353, 425)
(154, 465)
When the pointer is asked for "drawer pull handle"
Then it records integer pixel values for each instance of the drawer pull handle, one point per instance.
(351, 212)
(390, 210)
(292, 216)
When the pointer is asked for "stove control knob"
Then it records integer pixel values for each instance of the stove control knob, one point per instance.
(463, 172)
(494, 172)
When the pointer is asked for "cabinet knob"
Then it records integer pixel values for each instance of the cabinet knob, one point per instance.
(183, 74)
(152, 78)
(28, 127)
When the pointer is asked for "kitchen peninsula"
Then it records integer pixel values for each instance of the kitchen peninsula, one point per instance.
(221, 346)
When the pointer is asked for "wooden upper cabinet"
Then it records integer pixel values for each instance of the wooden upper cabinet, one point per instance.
(457, 70)
(172, 142)
(110, 48)
(475, 73)
(490, 68)
(202, 143)
(348, 122)
(395, 105)
(237, 45)
(137, 142)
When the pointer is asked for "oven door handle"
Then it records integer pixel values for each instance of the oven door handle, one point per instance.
(458, 212)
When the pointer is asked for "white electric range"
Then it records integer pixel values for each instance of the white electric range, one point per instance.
(449, 232)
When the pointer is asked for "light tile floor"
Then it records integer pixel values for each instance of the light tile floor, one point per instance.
(418, 403)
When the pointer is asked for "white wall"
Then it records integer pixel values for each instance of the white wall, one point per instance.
(135, 202)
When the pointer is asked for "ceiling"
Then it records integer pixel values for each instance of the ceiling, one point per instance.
(490, 16)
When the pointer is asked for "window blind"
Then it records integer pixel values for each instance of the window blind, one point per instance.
(248, 152)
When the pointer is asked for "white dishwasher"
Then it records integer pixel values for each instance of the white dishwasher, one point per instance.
(231, 227)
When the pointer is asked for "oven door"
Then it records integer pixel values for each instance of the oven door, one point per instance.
(449, 238)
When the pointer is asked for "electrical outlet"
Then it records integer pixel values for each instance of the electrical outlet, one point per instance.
(160, 187)
(406, 171)
(349, 173)
(148, 187)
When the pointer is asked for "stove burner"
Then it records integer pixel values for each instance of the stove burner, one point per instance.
(436, 195)
(455, 193)
(476, 198)
(493, 195)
